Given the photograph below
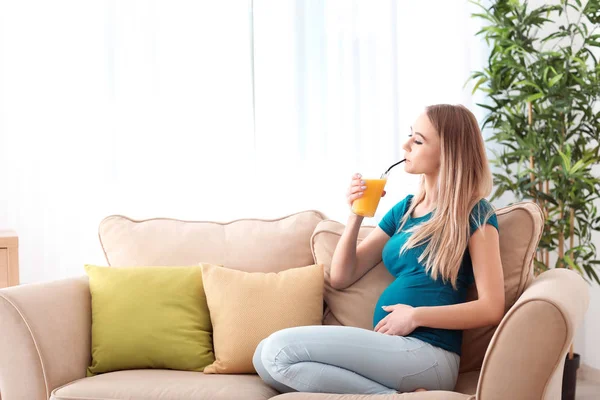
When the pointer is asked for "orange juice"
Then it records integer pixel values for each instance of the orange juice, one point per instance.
(367, 204)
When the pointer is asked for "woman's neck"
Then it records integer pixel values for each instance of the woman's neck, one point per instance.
(431, 191)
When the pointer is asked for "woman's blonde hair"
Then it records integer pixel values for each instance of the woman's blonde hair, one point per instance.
(464, 179)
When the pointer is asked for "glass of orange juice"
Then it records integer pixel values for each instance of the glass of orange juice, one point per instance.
(366, 205)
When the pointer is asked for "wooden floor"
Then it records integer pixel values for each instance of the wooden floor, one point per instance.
(587, 390)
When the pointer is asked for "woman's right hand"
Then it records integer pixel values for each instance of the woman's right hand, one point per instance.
(357, 189)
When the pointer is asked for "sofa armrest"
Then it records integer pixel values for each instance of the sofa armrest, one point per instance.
(45, 337)
(526, 355)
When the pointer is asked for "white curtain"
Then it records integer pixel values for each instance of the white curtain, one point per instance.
(209, 110)
(141, 108)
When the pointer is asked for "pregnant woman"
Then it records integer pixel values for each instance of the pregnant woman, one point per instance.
(435, 243)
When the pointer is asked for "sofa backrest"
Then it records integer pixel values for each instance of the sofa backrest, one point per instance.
(253, 245)
(520, 227)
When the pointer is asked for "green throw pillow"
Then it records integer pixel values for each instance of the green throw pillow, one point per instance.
(149, 317)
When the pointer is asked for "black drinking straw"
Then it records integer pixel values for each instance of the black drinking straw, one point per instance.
(386, 172)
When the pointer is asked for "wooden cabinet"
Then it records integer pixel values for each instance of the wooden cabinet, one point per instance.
(9, 259)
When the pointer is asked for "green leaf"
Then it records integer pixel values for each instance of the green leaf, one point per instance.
(554, 35)
(566, 160)
(528, 83)
(481, 80)
(553, 81)
(534, 97)
(592, 273)
(578, 165)
(593, 43)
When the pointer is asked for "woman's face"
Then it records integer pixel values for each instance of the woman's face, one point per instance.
(422, 149)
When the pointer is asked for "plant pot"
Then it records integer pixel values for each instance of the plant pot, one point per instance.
(570, 377)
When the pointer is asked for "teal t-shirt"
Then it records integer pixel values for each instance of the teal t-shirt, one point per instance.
(413, 286)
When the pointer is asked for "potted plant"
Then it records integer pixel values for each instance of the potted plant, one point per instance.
(543, 107)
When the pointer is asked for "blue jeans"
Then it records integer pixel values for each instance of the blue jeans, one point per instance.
(348, 360)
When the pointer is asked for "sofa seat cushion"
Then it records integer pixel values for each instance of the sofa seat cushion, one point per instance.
(467, 382)
(164, 385)
(430, 395)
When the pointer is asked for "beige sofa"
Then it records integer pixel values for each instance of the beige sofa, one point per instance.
(45, 328)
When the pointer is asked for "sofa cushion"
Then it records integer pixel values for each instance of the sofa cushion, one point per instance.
(520, 227)
(247, 307)
(429, 395)
(165, 385)
(247, 244)
(149, 317)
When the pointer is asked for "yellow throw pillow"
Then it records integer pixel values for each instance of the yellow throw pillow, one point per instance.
(246, 307)
(149, 317)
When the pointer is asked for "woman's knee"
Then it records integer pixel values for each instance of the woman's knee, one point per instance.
(263, 371)
(272, 353)
(256, 358)
(281, 349)
(269, 349)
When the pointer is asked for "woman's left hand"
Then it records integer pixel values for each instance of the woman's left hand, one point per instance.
(400, 321)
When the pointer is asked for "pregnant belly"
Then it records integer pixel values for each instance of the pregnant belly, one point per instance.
(412, 292)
